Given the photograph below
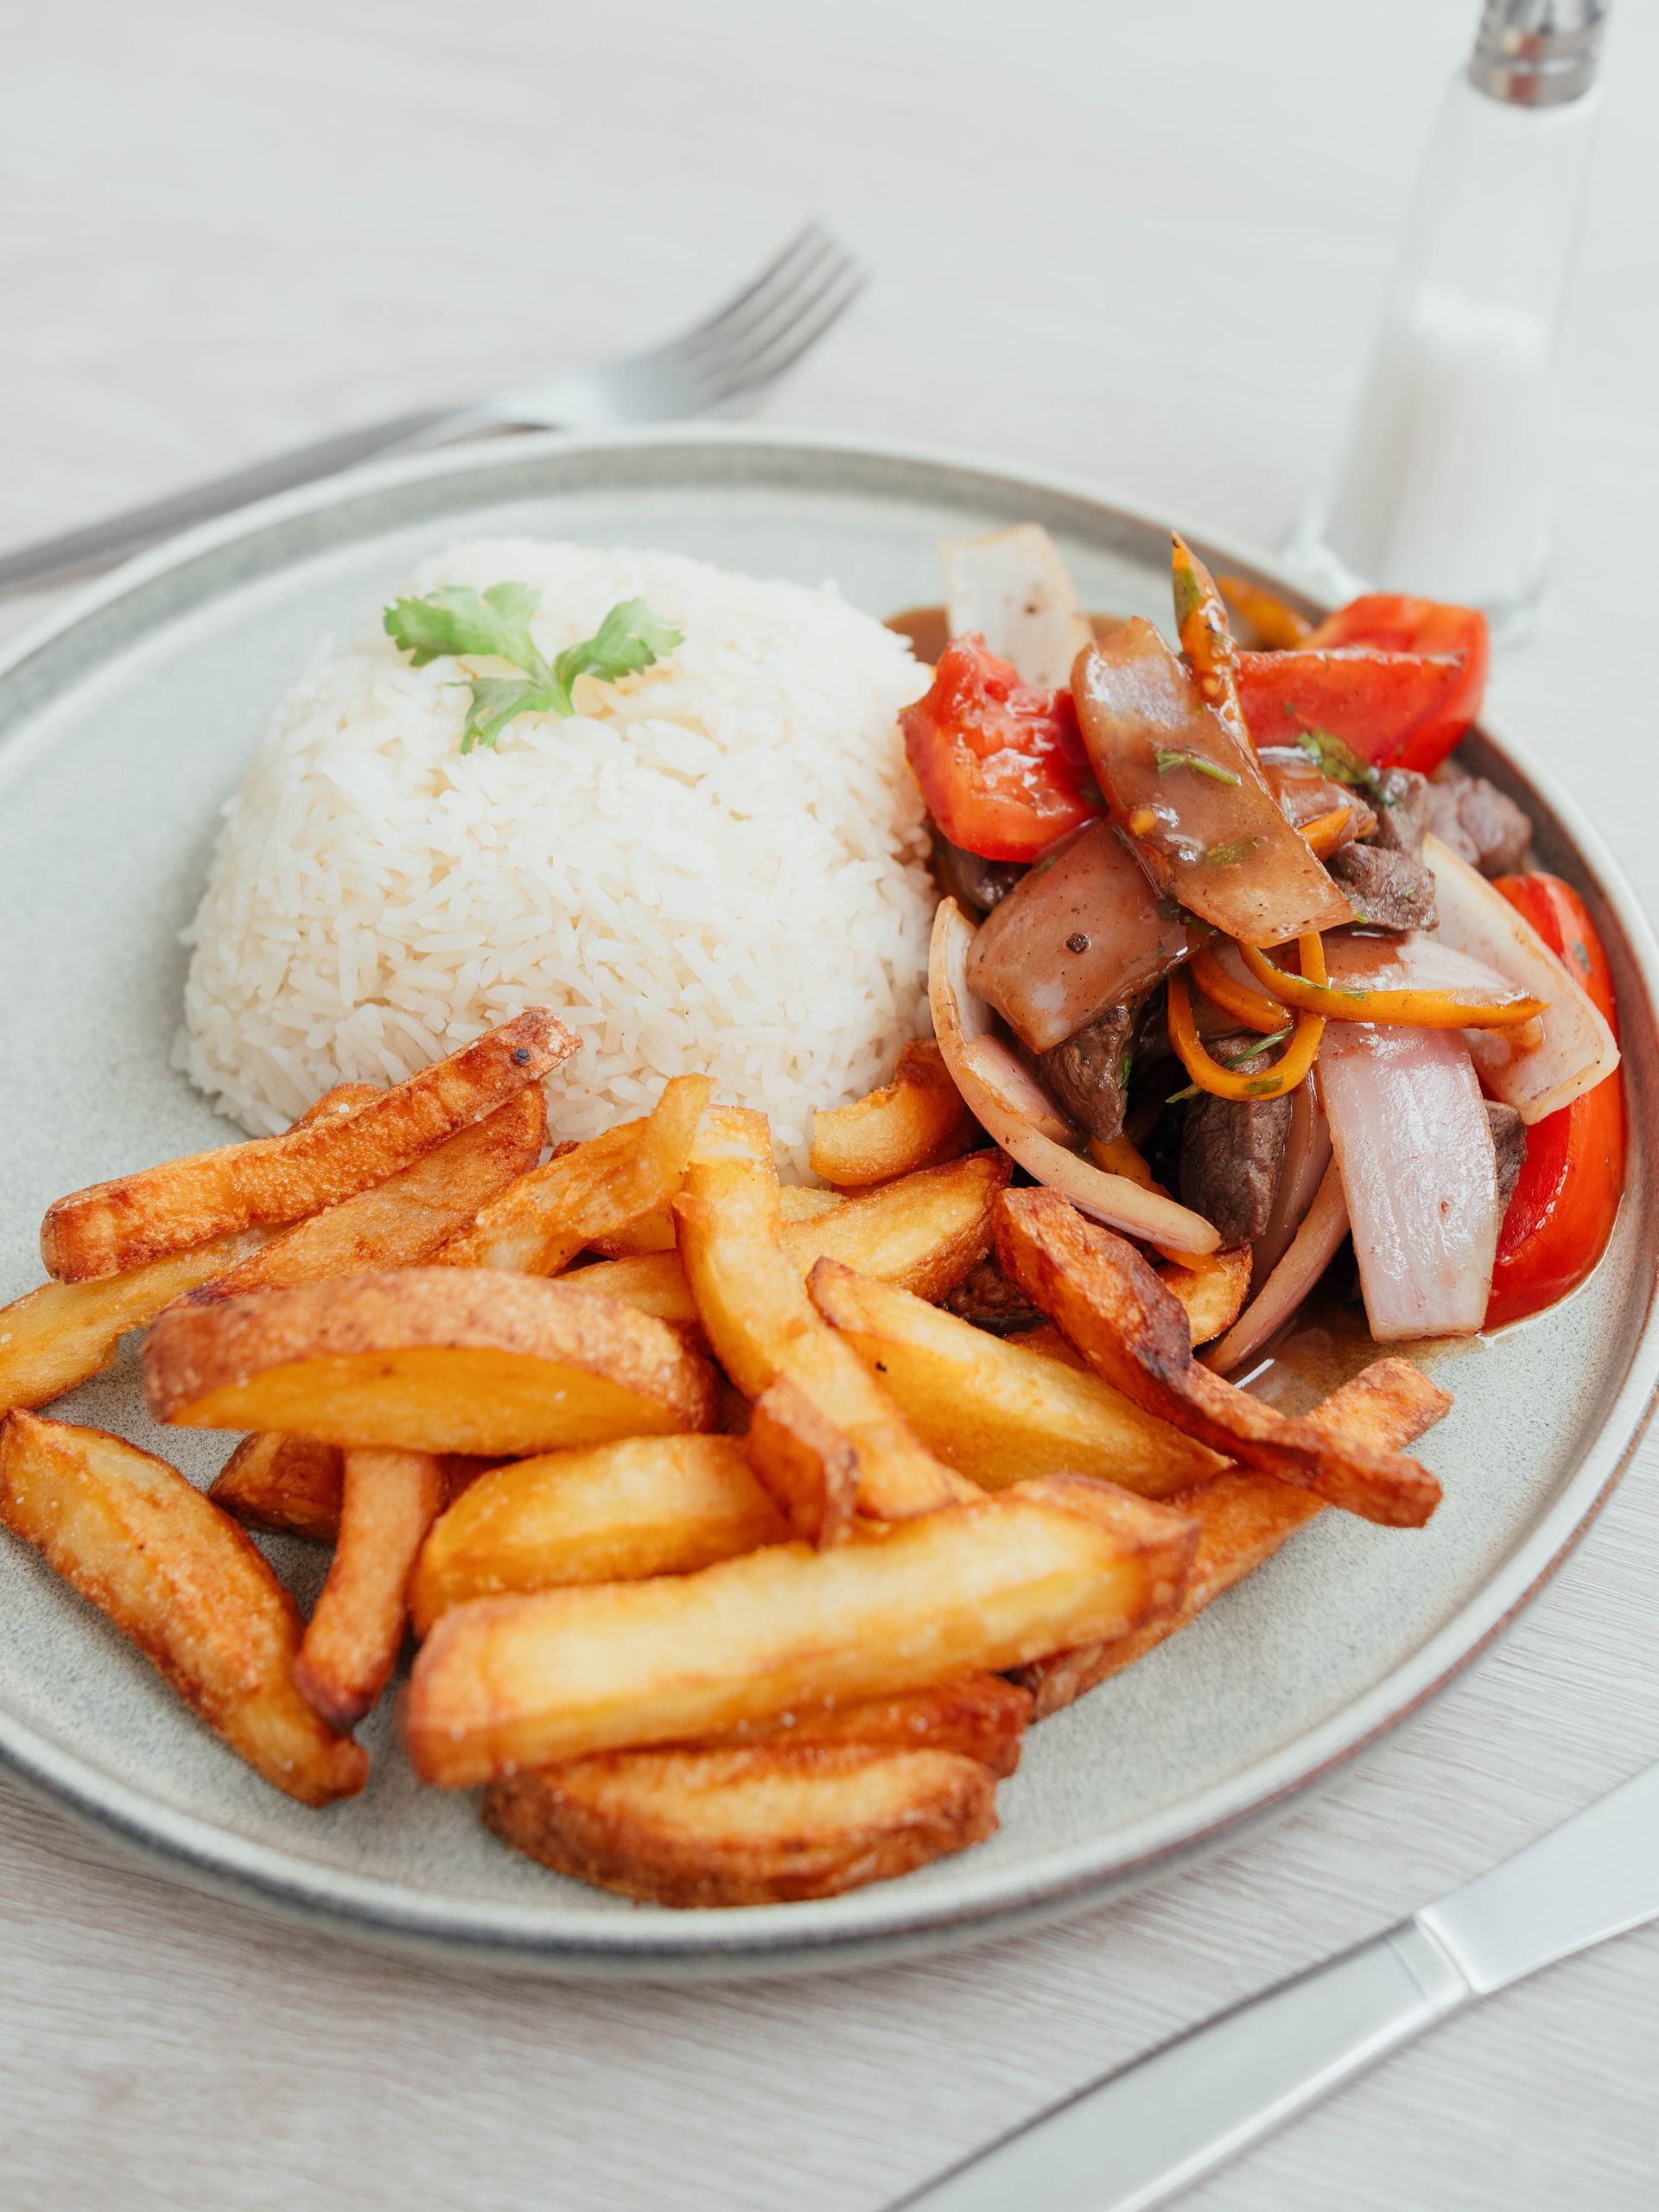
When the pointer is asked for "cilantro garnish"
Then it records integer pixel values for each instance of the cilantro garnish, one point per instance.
(1229, 854)
(1237, 1059)
(1343, 765)
(457, 620)
(1197, 762)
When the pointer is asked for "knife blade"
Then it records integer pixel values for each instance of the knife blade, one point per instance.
(1132, 2140)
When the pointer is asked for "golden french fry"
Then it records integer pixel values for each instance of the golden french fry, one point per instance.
(993, 1408)
(388, 1502)
(926, 1231)
(538, 1226)
(444, 1359)
(767, 1824)
(914, 1122)
(291, 1485)
(1211, 1288)
(1243, 1518)
(143, 1216)
(654, 1232)
(648, 1505)
(403, 1221)
(982, 1716)
(757, 1317)
(805, 1463)
(508, 1683)
(181, 1581)
(1108, 1300)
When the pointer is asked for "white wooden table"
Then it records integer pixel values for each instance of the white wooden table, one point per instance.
(1141, 243)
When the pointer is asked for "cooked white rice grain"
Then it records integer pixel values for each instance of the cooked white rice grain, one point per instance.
(718, 867)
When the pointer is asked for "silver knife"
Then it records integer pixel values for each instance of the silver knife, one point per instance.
(1135, 2138)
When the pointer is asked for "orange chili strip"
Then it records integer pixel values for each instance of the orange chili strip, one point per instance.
(1277, 1082)
(1324, 832)
(1390, 1009)
(1276, 626)
(1245, 1005)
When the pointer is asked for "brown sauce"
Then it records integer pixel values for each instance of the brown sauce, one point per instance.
(1326, 1344)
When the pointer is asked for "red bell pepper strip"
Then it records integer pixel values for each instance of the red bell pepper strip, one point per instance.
(1000, 763)
(1391, 623)
(1561, 1215)
(1377, 702)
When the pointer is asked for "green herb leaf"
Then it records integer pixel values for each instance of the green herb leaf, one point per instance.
(495, 624)
(1236, 1060)
(1230, 855)
(1343, 765)
(1124, 1066)
(1198, 763)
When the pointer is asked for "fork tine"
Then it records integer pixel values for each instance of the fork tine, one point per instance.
(742, 327)
(757, 370)
(778, 271)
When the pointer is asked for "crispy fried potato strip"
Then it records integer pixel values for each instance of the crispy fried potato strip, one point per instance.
(1112, 1306)
(1212, 1288)
(916, 1120)
(143, 1216)
(291, 1485)
(539, 1224)
(617, 1513)
(982, 1716)
(766, 1824)
(509, 1683)
(444, 1359)
(1243, 1518)
(183, 1584)
(654, 1232)
(402, 1222)
(993, 1408)
(927, 1231)
(763, 1327)
(388, 1502)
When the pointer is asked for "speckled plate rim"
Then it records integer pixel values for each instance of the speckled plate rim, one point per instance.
(885, 1921)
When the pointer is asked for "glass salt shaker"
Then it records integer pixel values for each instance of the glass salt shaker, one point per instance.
(1445, 488)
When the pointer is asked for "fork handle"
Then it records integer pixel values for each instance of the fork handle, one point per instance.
(79, 552)
(1137, 2137)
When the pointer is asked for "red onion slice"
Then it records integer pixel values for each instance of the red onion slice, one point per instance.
(1310, 1252)
(1414, 1150)
(1307, 1154)
(960, 1021)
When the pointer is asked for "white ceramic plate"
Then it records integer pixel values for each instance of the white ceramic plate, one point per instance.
(123, 727)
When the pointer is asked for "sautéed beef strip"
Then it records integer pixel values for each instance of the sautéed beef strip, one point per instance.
(1478, 822)
(1388, 890)
(1232, 1151)
(1087, 1073)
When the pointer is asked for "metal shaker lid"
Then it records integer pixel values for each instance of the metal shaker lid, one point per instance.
(1537, 52)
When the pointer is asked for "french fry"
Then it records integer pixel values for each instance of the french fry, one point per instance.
(982, 1716)
(992, 1407)
(538, 1226)
(1112, 1306)
(769, 1824)
(388, 1502)
(402, 1222)
(1211, 1288)
(291, 1485)
(183, 1584)
(916, 1120)
(755, 1311)
(654, 1232)
(509, 1683)
(441, 1359)
(648, 1505)
(1243, 1518)
(803, 1462)
(55, 1339)
(926, 1231)
(146, 1215)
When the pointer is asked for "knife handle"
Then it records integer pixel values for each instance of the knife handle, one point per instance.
(1133, 2138)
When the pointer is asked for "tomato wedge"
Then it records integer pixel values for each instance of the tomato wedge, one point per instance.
(1390, 622)
(1378, 703)
(1561, 1215)
(1000, 763)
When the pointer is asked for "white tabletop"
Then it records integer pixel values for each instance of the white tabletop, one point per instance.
(1143, 244)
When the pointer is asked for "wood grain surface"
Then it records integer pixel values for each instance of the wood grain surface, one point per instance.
(1140, 242)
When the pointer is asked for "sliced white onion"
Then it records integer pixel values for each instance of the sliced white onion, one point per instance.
(1417, 962)
(1414, 1152)
(962, 1020)
(1310, 1252)
(1576, 1050)
(1015, 590)
(1307, 1154)
(1012, 1082)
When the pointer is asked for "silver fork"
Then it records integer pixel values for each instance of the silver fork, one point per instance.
(719, 367)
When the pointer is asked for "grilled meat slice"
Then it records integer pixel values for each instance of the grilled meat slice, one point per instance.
(1509, 1143)
(1390, 890)
(1084, 1072)
(1231, 1153)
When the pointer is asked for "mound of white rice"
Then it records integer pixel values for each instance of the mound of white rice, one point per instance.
(716, 868)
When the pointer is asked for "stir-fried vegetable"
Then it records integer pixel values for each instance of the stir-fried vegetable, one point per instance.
(1392, 624)
(1201, 622)
(1562, 1212)
(1014, 590)
(1377, 703)
(1293, 1274)
(1275, 623)
(1419, 1175)
(1212, 972)
(1223, 850)
(1225, 1082)
(1476, 999)
(999, 761)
